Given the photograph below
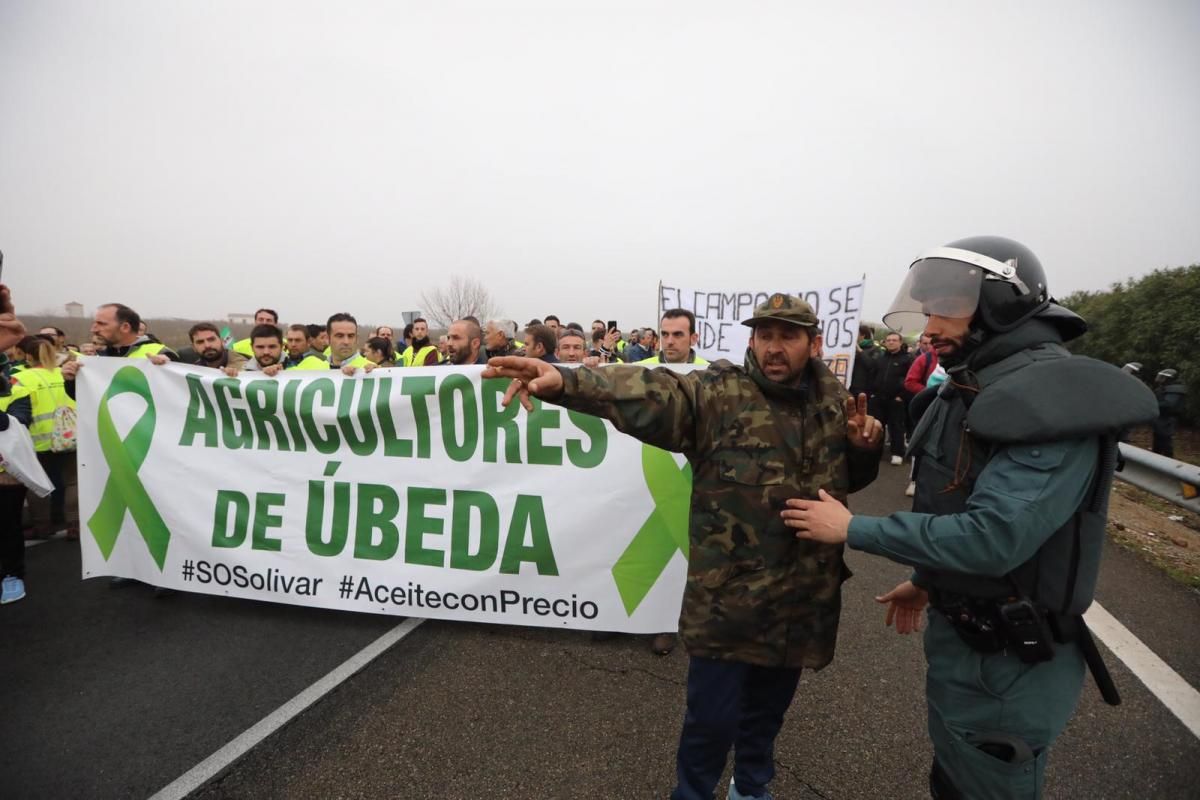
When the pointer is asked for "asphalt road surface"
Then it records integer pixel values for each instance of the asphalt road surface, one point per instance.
(114, 693)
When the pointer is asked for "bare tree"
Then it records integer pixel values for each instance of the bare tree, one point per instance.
(463, 297)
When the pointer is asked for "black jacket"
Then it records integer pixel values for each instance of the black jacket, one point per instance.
(890, 372)
(866, 363)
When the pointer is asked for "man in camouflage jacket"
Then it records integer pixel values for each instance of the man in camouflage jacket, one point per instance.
(759, 604)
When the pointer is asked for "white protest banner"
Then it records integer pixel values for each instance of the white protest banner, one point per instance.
(406, 491)
(719, 315)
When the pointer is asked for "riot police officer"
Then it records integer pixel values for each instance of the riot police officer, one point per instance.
(1170, 393)
(1017, 452)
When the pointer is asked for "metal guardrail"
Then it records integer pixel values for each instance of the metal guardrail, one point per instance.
(1169, 479)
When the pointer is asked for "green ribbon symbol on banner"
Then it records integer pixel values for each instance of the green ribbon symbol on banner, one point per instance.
(664, 532)
(124, 490)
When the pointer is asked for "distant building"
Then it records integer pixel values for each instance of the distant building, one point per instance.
(241, 319)
(74, 310)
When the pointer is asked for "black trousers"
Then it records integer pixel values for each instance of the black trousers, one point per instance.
(893, 415)
(55, 466)
(731, 705)
(12, 540)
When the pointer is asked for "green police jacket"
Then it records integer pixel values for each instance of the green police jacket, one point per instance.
(1016, 455)
(755, 593)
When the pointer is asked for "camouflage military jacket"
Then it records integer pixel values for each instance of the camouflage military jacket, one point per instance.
(755, 593)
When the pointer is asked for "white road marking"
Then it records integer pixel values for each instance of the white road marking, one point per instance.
(208, 768)
(1163, 682)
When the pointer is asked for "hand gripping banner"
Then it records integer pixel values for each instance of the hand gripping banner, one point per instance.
(124, 489)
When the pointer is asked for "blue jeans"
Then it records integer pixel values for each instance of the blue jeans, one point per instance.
(731, 705)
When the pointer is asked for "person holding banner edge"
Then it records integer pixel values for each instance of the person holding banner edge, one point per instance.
(759, 605)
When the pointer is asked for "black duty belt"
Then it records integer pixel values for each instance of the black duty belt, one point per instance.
(1025, 629)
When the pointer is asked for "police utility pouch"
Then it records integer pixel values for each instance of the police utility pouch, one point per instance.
(1026, 630)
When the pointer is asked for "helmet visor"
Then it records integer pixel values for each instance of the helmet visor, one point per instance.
(939, 287)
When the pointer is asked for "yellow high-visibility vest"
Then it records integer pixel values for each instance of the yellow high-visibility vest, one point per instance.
(409, 359)
(358, 361)
(311, 362)
(145, 350)
(47, 392)
(658, 359)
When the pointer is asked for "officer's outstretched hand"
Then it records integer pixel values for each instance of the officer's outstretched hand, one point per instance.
(824, 520)
(906, 604)
(530, 376)
(863, 430)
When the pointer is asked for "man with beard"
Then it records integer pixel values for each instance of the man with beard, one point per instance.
(264, 316)
(1017, 451)
(464, 344)
(756, 608)
(267, 344)
(421, 352)
(114, 330)
(209, 349)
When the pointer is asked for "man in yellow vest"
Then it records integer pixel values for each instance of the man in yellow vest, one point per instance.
(421, 353)
(343, 345)
(264, 316)
(117, 326)
(267, 342)
(301, 354)
(678, 340)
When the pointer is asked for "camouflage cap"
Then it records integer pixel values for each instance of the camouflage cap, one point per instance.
(785, 308)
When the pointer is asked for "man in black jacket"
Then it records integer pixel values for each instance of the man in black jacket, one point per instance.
(891, 406)
(866, 359)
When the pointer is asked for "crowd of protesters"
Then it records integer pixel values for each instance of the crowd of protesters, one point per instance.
(38, 387)
(39, 371)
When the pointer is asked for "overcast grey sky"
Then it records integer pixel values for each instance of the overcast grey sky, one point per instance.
(194, 159)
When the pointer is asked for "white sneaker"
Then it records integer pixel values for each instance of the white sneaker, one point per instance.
(911, 491)
(734, 794)
(897, 461)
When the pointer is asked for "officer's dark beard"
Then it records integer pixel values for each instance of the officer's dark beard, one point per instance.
(417, 344)
(962, 347)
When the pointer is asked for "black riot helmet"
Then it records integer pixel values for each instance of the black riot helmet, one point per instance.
(1001, 279)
